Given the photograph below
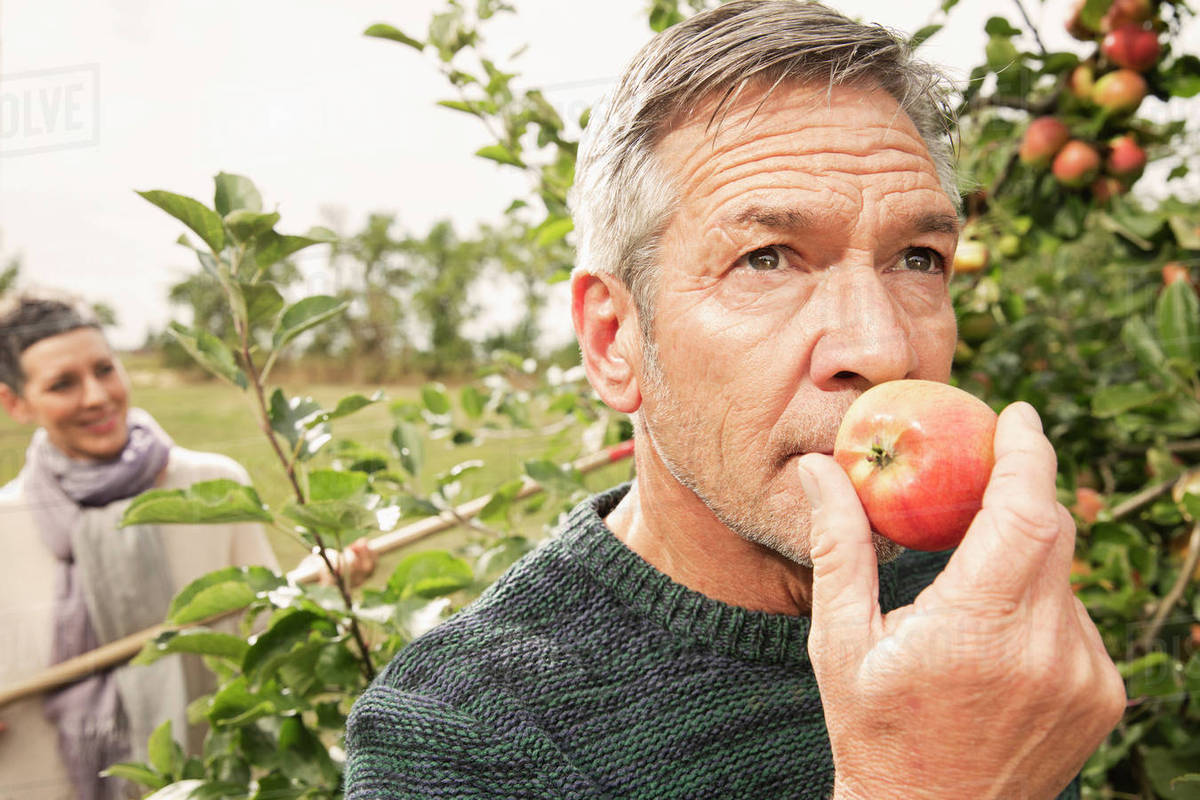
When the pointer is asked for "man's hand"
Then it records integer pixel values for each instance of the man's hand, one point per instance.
(994, 683)
(355, 563)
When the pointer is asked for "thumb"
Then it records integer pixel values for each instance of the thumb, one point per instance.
(845, 591)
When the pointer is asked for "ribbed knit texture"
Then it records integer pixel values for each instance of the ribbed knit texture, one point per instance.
(586, 673)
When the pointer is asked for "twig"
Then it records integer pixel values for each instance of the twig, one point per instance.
(290, 467)
(1190, 562)
(1032, 27)
(1134, 502)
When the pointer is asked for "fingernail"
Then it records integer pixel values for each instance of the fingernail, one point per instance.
(812, 489)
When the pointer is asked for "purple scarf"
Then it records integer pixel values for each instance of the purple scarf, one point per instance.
(91, 729)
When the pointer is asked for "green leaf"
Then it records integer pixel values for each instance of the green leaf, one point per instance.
(235, 193)
(496, 509)
(201, 219)
(210, 352)
(1186, 230)
(1183, 77)
(500, 154)
(922, 35)
(350, 404)
(459, 105)
(193, 640)
(263, 302)
(305, 314)
(1092, 12)
(434, 573)
(216, 501)
(271, 247)
(1113, 400)
(165, 754)
(1178, 317)
(298, 419)
(1001, 53)
(136, 773)
(552, 477)
(409, 446)
(246, 225)
(224, 590)
(335, 517)
(234, 704)
(303, 756)
(381, 30)
(1137, 337)
(333, 484)
(285, 634)
(434, 396)
(1000, 26)
(472, 401)
(180, 790)
(554, 229)
(1165, 766)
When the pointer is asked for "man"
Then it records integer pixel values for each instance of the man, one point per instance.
(766, 220)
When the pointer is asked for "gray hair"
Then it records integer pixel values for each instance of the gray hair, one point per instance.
(622, 199)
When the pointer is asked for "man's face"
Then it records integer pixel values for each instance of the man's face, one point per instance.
(807, 261)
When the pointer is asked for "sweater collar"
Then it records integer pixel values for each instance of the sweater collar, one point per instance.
(686, 614)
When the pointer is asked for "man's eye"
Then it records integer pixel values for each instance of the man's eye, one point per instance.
(765, 259)
(921, 259)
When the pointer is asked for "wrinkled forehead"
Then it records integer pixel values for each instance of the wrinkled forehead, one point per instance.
(803, 120)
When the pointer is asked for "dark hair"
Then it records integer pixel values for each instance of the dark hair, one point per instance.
(27, 320)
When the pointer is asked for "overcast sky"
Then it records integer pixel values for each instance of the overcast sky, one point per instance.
(100, 98)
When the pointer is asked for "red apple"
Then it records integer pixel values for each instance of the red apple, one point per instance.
(1081, 81)
(1076, 164)
(1125, 158)
(1044, 137)
(1120, 91)
(1125, 12)
(919, 454)
(1106, 187)
(1131, 46)
(1088, 504)
(1174, 271)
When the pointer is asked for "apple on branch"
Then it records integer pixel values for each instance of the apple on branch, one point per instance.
(919, 454)
(1120, 91)
(1044, 137)
(1126, 159)
(1131, 46)
(1076, 164)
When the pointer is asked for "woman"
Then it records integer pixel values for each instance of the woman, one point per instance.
(75, 579)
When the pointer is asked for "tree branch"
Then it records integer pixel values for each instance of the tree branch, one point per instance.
(290, 468)
(1190, 562)
(1033, 28)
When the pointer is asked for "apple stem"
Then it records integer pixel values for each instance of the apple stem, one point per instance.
(879, 456)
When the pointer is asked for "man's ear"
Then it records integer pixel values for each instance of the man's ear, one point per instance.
(15, 405)
(609, 338)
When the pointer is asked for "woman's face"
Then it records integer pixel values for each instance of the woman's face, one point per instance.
(77, 391)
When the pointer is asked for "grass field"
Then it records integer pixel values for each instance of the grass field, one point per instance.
(213, 416)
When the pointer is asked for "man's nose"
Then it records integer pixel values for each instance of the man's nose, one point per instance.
(864, 332)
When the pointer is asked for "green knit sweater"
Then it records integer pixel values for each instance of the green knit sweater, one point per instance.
(586, 673)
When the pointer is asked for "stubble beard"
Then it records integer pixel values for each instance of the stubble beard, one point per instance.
(752, 517)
